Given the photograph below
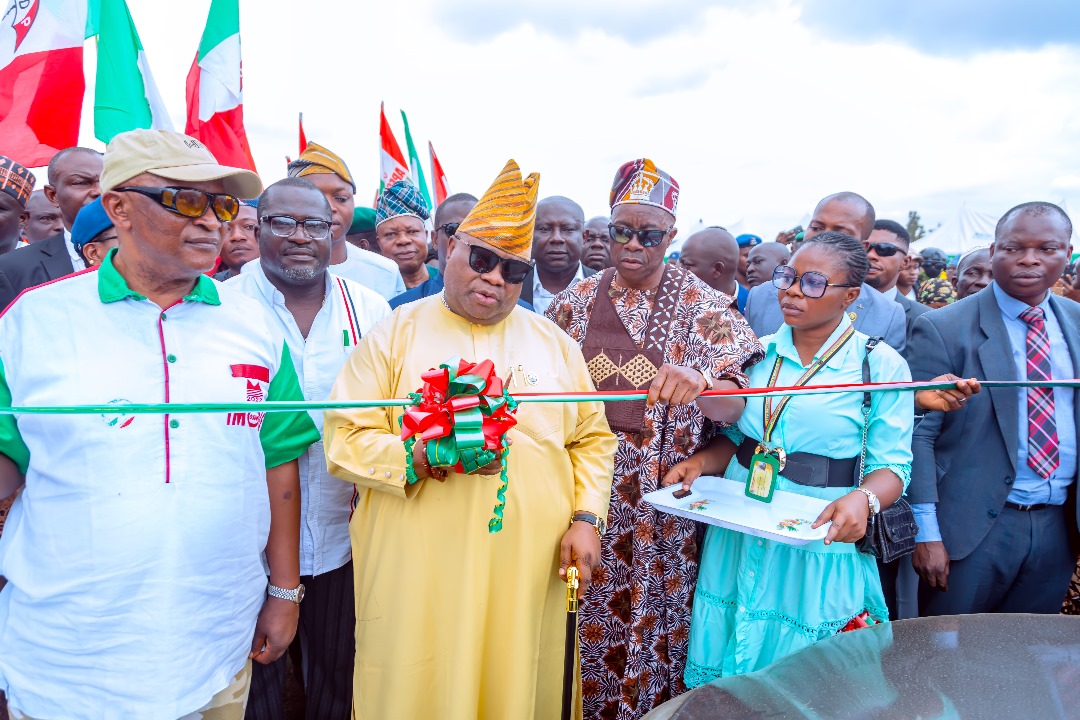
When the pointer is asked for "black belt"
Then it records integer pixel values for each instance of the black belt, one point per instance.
(806, 468)
(1028, 508)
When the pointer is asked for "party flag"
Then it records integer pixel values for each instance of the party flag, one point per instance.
(125, 95)
(416, 170)
(438, 178)
(215, 88)
(41, 78)
(392, 163)
(303, 137)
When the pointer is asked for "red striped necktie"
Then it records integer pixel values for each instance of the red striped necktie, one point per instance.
(1042, 430)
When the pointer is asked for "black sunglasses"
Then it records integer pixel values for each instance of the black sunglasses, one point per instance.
(884, 249)
(189, 202)
(483, 261)
(813, 284)
(647, 238)
(448, 228)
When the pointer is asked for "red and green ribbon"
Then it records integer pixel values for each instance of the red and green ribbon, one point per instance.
(462, 412)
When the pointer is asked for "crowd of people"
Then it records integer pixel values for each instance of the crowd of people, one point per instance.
(205, 565)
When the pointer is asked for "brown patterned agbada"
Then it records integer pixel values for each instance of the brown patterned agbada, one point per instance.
(635, 621)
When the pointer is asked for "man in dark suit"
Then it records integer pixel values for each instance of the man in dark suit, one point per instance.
(887, 249)
(871, 313)
(993, 484)
(74, 181)
(558, 240)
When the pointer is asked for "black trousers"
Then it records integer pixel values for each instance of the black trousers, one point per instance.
(326, 639)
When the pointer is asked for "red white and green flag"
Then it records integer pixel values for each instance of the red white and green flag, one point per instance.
(416, 169)
(438, 178)
(125, 95)
(392, 162)
(215, 96)
(41, 77)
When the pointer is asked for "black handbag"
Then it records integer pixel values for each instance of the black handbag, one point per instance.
(890, 534)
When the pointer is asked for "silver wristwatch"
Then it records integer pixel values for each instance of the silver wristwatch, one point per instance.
(295, 595)
(875, 504)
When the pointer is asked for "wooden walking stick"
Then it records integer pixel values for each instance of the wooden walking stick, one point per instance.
(570, 659)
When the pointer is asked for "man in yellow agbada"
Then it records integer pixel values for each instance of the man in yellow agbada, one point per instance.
(454, 621)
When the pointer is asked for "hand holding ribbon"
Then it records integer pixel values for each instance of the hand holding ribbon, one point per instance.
(462, 413)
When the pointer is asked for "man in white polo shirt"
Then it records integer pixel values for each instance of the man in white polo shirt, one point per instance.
(321, 317)
(133, 554)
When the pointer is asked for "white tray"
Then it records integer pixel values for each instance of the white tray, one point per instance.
(728, 507)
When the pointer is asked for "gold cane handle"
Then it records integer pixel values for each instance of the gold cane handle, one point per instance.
(571, 589)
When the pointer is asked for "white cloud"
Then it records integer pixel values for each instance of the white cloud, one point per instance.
(753, 113)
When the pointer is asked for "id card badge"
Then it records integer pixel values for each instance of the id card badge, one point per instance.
(761, 482)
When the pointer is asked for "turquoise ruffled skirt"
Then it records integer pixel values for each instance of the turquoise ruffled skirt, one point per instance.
(759, 600)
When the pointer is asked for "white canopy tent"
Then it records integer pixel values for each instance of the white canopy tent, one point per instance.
(967, 230)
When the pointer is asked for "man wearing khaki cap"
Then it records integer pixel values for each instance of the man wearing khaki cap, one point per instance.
(135, 583)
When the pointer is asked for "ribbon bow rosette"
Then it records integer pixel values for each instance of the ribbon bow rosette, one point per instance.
(462, 413)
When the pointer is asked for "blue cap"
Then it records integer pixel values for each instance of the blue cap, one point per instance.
(399, 199)
(90, 222)
(254, 203)
(748, 240)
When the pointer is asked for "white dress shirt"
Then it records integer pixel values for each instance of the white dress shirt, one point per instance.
(77, 263)
(349, 310)
(542, 298)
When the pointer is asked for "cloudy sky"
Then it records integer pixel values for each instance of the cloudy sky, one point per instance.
(758, 109)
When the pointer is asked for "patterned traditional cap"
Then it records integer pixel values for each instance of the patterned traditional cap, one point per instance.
(89, 223)
(15, 180)
(317, 160)
(640, 182)
(505, 216)
(401, 199)
(748, 240)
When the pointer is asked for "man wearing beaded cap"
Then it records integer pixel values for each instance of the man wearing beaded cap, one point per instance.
(454, 621)
(645, 325)
(16, 185)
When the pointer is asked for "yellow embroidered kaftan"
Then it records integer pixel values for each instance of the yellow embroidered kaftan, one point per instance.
(452, 621)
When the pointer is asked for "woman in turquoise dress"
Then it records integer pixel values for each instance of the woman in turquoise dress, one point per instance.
(758, 600)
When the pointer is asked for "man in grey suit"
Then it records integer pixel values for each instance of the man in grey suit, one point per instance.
(887, 249)
(871, 313)
(993, 484)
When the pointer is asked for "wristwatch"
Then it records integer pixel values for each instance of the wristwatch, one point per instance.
(598, 523)
(875, 504)
(295, 595)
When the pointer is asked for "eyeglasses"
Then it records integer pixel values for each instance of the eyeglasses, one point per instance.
(812, 284)
(448, 228)
(483, 261)
(647, 238)
(884, 249)
(189, 202)
(285, 226)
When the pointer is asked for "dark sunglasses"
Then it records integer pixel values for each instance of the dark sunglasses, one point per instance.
(189, 202)
(483, 261)
(448, 228)
(812, 284)
(884, 249)
(647, 238)
(285, 226)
